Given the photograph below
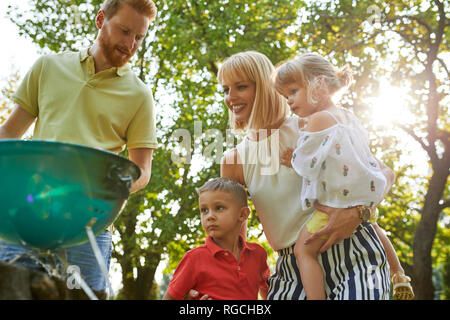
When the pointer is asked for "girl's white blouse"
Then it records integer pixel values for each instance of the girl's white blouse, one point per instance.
(337, 167)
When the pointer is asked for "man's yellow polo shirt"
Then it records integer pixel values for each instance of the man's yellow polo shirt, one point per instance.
(74, 104)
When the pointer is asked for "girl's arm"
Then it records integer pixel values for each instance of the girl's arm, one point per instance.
(319, 121)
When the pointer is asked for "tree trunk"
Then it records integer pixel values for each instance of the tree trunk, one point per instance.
(142, 286)
(425, 234)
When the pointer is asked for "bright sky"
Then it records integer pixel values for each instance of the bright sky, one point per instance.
(18, 53)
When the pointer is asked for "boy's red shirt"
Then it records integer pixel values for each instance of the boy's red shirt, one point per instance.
(214, 271)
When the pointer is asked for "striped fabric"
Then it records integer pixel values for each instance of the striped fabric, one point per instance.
(355, 269)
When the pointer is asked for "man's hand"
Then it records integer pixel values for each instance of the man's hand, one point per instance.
(342, 223)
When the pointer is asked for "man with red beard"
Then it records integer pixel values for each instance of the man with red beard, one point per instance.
(92, 98)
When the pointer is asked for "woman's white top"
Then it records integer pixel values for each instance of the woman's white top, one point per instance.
(337, 166)
(274, 189)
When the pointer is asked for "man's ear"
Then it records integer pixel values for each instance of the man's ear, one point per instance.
(100, 18)
(244, 213)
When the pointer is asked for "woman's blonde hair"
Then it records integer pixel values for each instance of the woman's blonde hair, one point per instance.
(314, 73)
(269, 107)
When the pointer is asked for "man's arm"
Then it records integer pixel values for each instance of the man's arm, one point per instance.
(142, 157)
(17, 124)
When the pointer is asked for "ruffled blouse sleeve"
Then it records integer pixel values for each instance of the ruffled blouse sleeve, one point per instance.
(311, 152)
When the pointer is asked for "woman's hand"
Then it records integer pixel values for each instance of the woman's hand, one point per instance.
(193, 294)
(342, 223)
(286, 156)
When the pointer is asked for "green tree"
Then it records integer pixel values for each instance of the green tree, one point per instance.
(369, 33)
(179, 59)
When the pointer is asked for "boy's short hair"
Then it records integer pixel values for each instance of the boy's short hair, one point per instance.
(146, 7)
(227, 185)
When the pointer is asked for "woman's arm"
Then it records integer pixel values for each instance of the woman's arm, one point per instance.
(231, 167)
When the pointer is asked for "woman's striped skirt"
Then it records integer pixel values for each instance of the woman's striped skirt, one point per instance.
(354, 269)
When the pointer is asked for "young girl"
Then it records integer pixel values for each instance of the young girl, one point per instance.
(333, 157)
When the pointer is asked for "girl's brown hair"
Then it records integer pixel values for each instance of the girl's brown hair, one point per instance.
(314, 73)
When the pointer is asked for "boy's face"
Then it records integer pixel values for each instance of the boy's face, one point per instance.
(220, 213)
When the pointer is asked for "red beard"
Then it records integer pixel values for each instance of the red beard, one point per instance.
(112, 56)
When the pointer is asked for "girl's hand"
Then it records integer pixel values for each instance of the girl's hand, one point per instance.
(342, 223)
(286, 156)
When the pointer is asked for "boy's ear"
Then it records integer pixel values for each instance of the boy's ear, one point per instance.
(245, 212)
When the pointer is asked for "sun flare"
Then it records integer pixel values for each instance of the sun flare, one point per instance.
(390, 106)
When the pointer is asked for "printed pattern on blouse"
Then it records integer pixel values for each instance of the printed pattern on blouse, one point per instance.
(338, 167)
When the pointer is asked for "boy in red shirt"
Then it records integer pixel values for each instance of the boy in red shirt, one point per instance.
(226, 267)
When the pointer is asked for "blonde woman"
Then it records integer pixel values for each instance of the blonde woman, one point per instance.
(256, 108)
(335, 161)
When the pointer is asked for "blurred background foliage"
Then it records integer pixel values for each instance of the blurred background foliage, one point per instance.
(389, 44)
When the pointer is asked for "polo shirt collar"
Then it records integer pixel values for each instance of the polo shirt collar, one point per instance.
(84, 54)
(214, 248)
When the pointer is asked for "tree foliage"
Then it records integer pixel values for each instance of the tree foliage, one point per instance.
(404, 41)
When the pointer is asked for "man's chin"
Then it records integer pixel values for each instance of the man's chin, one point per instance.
(118, 63)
